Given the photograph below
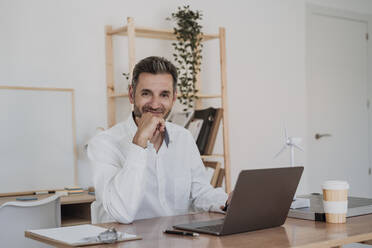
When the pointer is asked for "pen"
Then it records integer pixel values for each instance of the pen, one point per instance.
(192, 234)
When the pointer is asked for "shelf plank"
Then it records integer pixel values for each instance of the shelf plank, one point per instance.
(34, 88)
(198, 95)
(119, 95)
(208, 95)
(211, 156)
(118, 31)
(77, 198)
(153, 33)
(65, 200)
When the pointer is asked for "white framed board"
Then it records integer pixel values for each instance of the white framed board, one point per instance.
(37, 139)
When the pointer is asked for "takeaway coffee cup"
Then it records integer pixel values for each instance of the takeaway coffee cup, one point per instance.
(335, 201)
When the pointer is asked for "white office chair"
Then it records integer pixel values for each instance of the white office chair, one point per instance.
(17, 217)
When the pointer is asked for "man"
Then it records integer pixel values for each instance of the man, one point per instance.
(146, 167)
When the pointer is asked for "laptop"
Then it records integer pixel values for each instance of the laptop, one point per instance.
(261, 200)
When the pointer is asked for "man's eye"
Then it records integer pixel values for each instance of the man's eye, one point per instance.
(144, 94)
(165, 95)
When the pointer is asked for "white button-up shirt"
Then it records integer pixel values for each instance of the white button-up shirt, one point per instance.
(136, 183)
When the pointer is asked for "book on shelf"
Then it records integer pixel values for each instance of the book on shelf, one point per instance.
(71, 192)
(195, 127)
(74, 190)
(207, 133)
(181, 118)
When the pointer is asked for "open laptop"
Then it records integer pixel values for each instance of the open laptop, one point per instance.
(261, 200)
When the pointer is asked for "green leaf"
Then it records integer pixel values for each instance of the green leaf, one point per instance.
(188, 49)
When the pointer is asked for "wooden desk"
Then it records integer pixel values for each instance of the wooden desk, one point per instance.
(75, 209)
(294, 233)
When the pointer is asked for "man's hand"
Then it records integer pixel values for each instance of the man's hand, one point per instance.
(224, 208)
(149, 127)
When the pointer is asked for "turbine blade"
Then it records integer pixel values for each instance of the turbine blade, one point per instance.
(298, 147)
(285, 133)
(281, 150)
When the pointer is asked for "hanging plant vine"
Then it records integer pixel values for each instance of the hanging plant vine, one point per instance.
(188, 49)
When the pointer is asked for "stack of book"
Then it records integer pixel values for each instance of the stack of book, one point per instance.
(208, 121)
(203, 125)
(74, 190)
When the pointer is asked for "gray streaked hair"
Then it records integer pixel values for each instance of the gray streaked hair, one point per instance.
(154, 65)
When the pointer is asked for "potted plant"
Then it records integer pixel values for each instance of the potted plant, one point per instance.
(188, 48)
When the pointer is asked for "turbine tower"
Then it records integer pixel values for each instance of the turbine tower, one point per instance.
(292, 143)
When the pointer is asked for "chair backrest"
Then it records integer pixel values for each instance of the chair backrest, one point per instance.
(17, 217)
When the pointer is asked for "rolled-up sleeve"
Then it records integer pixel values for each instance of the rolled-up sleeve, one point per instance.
(204, 196)
(118, 176)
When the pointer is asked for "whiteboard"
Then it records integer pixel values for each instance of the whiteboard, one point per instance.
(37, 139)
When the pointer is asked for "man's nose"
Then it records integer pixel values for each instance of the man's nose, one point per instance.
(155, 102)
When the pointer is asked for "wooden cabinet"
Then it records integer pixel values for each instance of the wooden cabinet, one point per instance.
(75, 209)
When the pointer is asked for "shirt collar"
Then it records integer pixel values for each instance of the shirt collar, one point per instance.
(133, 129)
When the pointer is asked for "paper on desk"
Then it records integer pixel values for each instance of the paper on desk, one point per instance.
(77, 235)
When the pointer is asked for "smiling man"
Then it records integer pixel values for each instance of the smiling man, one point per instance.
(146, 167)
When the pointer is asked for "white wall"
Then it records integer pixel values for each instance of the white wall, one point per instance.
(61, 44)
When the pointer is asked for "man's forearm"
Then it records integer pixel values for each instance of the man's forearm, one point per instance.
(118, 177)
(140, 140)
(124, 195)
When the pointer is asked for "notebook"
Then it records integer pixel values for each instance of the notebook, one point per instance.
(79, 235)
(356, 206)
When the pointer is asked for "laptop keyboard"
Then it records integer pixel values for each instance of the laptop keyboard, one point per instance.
(216, 228)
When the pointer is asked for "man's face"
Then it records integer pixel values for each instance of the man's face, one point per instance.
(154, 94)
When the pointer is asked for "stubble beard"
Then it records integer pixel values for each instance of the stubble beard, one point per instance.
(138, 113)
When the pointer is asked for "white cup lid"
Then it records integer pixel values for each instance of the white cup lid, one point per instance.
(334, 184)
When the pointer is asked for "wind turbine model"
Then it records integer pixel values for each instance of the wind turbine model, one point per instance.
(292, 143)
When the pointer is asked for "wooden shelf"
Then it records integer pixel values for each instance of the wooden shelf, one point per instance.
(78, 198)
(198, 95)
(132, 31)
(212, 156)
(153, 33)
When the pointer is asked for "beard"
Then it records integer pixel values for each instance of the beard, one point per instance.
(138, 112)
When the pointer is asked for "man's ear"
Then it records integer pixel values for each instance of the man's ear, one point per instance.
(131, 94)
(174, 96)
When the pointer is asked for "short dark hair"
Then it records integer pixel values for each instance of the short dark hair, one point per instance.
(154, 65)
